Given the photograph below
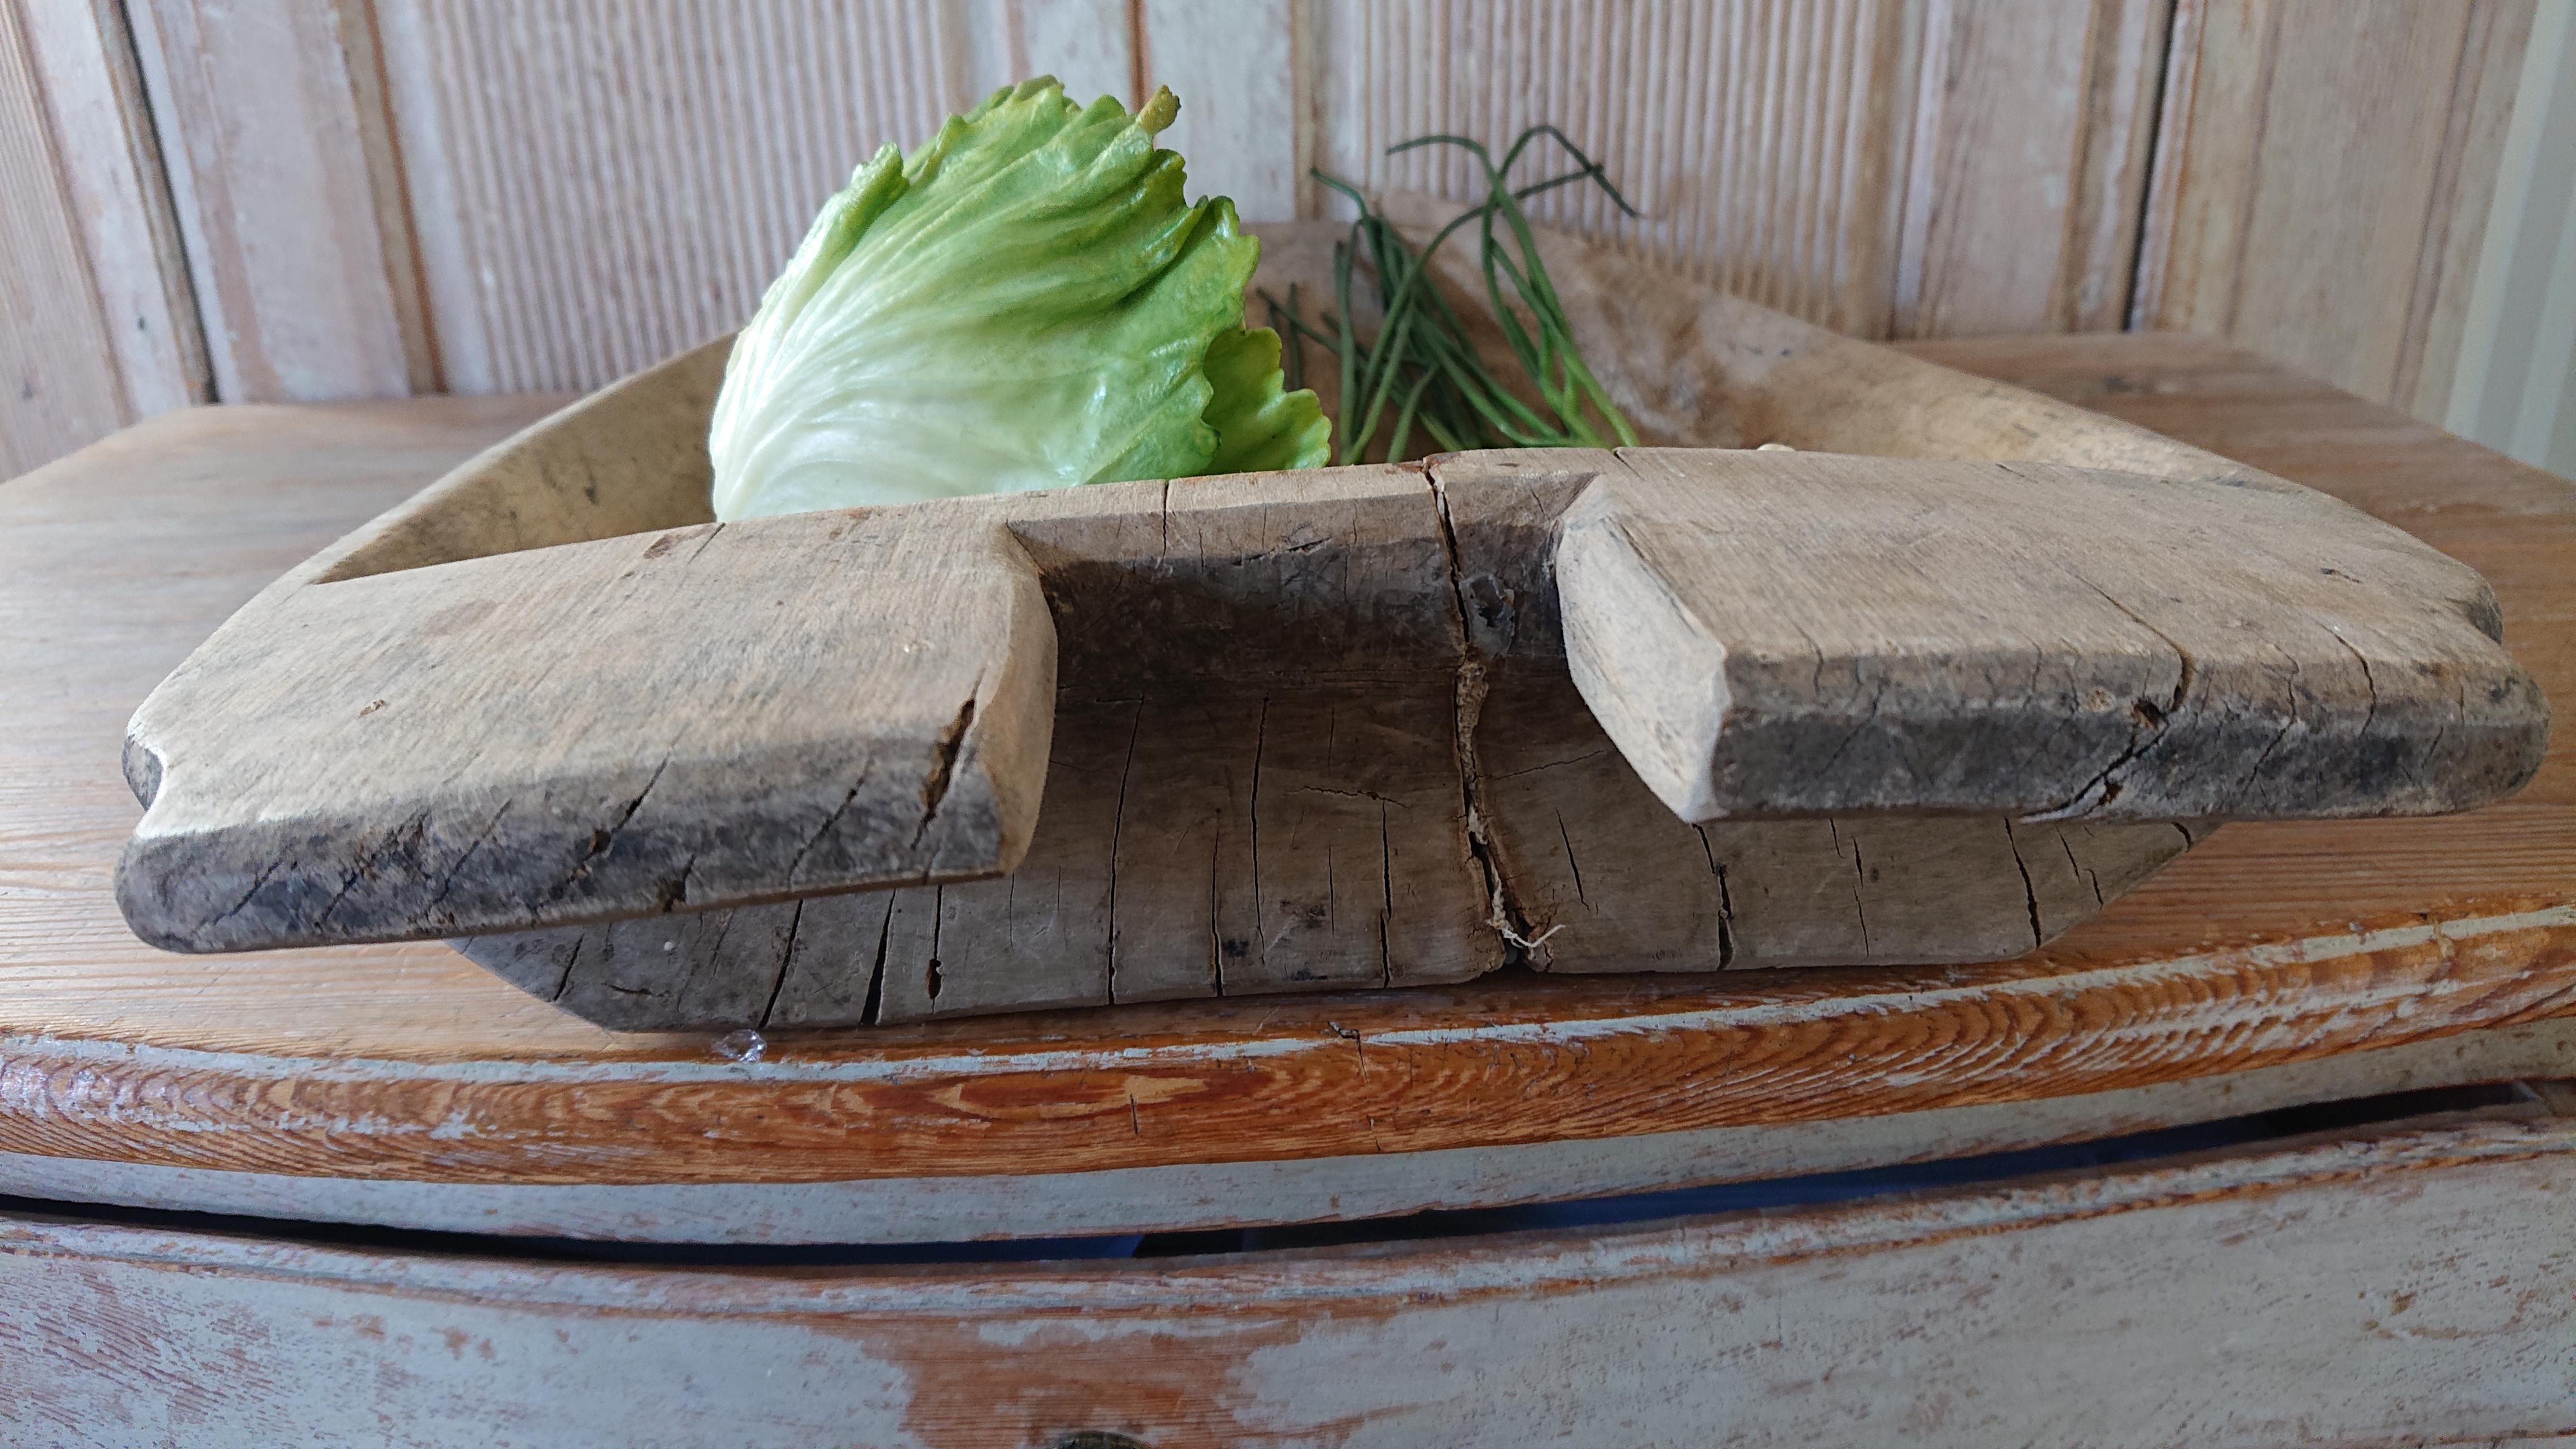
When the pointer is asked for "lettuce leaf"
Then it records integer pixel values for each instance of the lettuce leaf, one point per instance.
(1260, 427)
(1025, 301)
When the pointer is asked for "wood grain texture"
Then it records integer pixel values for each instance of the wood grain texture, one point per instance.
(2069, 643)
(1295, 1190)
(878, 714)
(2323, 179)
(1487, 1064)
(1710, 688)
(2028, 165)
(2445, 1244)
(1266, 584)
(1602, 876)
(2241, 955)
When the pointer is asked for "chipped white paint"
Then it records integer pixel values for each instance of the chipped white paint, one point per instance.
(1457, 1268)
(2148, 1305)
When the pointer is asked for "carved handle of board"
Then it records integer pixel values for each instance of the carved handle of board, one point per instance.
(1792, 634)
(712, 714)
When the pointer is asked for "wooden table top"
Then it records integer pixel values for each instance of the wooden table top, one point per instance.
(2272, 943)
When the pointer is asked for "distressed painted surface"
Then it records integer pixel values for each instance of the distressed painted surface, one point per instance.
(2354, 1291)
(60, 386)
(2322, 181)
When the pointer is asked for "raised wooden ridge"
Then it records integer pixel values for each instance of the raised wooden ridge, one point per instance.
(1776, 635)
(407, 1061)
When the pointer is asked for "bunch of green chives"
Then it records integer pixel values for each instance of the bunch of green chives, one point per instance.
(1421, 364)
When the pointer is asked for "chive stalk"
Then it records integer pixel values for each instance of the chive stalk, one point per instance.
(1421, 371)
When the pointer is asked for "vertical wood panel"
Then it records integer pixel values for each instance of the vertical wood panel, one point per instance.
(111, 170)
(2029, 165)
(1090, 45)
(299, 278)
(1237, 83)
(2323, 180)
(599, 183)
(59, 381)
(2481, 110)
(2515, 387)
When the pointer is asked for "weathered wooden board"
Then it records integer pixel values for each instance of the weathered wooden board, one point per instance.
(1759, 634)
(872, 705)
(2401, 1285)
(1766, 634)
(408, 1064)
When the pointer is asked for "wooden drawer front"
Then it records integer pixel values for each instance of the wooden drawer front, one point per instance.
(2374, 1288)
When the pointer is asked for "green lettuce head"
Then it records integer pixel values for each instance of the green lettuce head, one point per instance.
(1024, 302)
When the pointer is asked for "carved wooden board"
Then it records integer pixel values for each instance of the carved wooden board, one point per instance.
(543, 696)
(2271, 945)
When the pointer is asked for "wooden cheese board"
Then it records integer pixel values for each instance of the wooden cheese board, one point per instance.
(1932, 686)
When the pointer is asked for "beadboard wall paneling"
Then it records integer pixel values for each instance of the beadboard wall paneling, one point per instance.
(59, 386)
(599, 183)
(2323, 179)
(1093, 46)
(487, 196)
(1763, 142)
(300, 258)
(596, 184)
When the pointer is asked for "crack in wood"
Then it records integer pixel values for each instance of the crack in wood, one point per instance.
(371, 860)
(1260, 902)
(1505, 916)
(786, 963)
(871, 1010)
(1571, 868)
(2370, 707)
(448, 880)
(943, 765)
(603, 838)
(2082, 872)
(1386, 884)
(2029, 892)
(572, 958)
(1117, 833)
